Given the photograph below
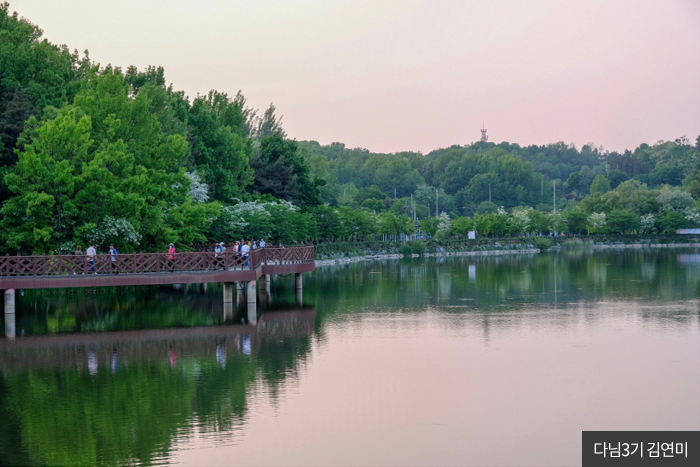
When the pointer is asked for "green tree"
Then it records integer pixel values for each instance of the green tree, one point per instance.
(430, 225)
(328, 221)
(461, 226)
(577, 221)
(600, 184)
(221, 150)
(356, 223)
(101, 167)
(622, 222)
(671, 221)
(283, 173)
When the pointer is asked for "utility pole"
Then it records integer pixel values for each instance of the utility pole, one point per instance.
(436, 202)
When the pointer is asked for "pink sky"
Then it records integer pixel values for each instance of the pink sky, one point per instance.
(415, 75)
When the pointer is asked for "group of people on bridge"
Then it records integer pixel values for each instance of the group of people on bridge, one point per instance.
(91, 255)
(242, 247)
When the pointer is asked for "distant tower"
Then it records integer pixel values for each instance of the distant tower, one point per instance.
(484, 136)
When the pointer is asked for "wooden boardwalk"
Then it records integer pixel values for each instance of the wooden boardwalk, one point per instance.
(65, 271)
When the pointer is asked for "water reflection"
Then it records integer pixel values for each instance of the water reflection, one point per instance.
(473, 346)
(133, 392)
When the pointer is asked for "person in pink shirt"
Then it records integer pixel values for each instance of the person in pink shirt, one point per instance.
(171, 256)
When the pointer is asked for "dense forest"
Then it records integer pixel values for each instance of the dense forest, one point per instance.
(100, 154)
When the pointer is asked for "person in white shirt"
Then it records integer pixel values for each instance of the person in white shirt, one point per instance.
(244, 251)
(262, 243)
(91, 253)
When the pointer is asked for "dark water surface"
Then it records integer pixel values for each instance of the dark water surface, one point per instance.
(443, 361)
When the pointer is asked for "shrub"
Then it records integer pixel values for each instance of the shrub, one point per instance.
(543, 243)
(406, 250)
(418, 247)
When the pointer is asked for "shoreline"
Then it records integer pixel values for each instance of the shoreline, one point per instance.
(500, 252)
(357, 259)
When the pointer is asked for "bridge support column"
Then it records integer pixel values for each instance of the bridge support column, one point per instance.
(10, 325)
(263, 281)
(239, 292)
(299, 289)
(228, 312)
(10, 301)
(228, 292)
(251, 295)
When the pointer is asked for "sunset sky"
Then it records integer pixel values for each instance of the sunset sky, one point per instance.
(415, 75)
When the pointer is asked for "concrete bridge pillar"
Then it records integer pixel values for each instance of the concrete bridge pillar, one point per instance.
(228, 292)
(251, 295)
(228, 312)
(10, 325)
(251, 292)
(297, 281)
(10, 301)
(228, 301)
(239, 292)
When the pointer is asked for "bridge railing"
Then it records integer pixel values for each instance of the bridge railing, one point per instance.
(292, 255)
(142, 263)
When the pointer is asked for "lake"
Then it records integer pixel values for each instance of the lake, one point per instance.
(493, 360)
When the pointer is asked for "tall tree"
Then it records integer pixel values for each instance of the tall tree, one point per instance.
(283, 173)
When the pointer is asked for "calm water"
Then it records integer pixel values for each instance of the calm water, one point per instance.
(450, 361)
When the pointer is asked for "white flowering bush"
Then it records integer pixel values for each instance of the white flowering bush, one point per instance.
(113, 230)
(520, 220)
(444, 224)
(597, 220)
(199, 191)
(257, 219)
(692, 215)
(672, 199)
(647, 221)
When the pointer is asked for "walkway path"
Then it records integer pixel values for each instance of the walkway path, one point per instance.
(61, 271)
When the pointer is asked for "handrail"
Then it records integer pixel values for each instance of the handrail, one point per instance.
(148, 263)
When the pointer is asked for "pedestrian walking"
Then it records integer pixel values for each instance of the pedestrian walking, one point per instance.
(219, 255)
(171, 257)
(245, 248)
(91, 254)
(113, 253)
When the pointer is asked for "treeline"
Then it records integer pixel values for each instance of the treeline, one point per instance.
(93, 154)
(485, 176)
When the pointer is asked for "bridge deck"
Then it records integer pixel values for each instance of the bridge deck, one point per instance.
(66, 271)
